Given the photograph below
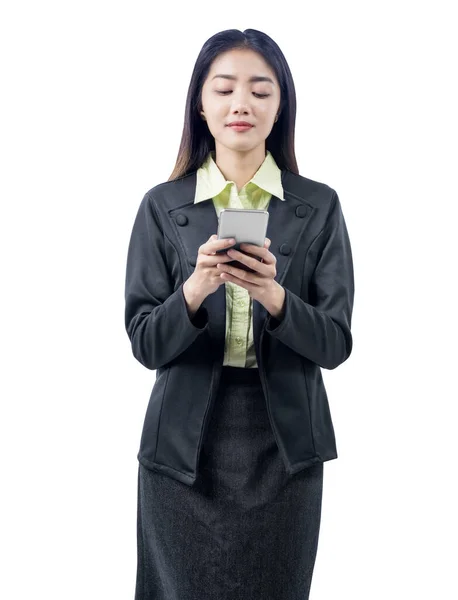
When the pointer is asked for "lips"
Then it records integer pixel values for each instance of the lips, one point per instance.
(240, 124)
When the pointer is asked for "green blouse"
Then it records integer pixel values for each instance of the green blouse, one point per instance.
(239, 348)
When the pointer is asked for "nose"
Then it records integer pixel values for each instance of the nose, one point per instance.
(240, 103)
(240, 109)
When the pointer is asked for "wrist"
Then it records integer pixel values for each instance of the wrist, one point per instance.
(277, 298)
(192, 298)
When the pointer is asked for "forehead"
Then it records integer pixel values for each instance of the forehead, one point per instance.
(242, 65)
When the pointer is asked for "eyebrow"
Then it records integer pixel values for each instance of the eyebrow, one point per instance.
(254, 78)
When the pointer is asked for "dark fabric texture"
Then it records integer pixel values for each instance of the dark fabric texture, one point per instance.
(314, 266)
(246, 529)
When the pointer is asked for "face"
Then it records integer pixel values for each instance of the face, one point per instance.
(238, 96)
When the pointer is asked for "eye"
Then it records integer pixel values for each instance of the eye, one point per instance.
(230, 91)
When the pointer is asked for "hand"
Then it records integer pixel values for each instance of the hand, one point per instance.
(206, 278)
(259, 283)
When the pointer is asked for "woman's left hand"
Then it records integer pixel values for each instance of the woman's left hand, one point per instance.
(261, 284)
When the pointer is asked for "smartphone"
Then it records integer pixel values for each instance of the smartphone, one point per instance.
(246, 226)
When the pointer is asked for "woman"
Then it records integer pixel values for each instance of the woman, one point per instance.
(238, 425)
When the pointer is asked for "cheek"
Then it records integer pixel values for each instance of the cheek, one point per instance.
(265, 114)
(217, 115)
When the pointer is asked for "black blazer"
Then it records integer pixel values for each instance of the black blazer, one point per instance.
(314, 265)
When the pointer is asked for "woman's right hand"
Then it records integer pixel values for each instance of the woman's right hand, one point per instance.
(206, 277)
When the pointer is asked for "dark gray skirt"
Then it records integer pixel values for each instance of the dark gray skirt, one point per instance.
(245, 530)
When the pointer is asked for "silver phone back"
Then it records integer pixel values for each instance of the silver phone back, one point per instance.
(245, 225)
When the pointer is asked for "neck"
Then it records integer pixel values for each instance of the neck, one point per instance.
(239, 166)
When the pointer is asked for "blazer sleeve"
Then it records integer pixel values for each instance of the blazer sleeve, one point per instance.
(320, 331)
(156, 316)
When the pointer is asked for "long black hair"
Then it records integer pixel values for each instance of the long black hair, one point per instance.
(197, 141)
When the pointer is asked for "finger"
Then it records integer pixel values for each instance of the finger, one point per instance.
(250, 261)
(223, 243)
(220, 258)
(214, 244)
(263, 253)
(208, 260)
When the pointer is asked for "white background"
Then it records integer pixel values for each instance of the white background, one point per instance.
(93, 97)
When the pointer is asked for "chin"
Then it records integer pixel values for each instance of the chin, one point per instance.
(241, 145)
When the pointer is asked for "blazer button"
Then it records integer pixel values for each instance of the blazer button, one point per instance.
(301, 211)
(192, 261)
(182, 220)
(285, 249)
